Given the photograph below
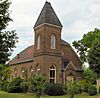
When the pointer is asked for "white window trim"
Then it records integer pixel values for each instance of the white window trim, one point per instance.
(53, 41)
(38, 42)
(55, 74)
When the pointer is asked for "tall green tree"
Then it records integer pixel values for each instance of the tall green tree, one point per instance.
(94, 57)
(90, 76)
(5, 72)
(89, 49)
(8, 39)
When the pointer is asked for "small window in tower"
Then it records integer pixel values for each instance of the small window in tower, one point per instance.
(53, 42)
(38, 42)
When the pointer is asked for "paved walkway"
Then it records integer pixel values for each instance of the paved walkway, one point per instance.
(98, 96)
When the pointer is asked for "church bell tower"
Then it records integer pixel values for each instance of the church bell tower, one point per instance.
(47, 44)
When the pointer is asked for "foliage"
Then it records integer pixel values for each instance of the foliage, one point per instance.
(4, 14)
(7, 38)
(84, 85)
(24, 86)
(5, 72)
(37, 85)
(99, 89)
(89, 49)
(92, 90)
(54, 89)
(73, 87)
(94, 57)
(90, 75)
(14, 85)
(14, 89)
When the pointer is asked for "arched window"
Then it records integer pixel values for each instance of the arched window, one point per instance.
(52, 74)
(15, 72)
(23, 72)
(31, 70)
(22, 69)
(38, 42)
(53, 41)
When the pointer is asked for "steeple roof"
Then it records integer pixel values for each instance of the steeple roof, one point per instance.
(48, 16)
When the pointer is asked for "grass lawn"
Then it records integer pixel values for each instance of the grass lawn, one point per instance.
(16, 95)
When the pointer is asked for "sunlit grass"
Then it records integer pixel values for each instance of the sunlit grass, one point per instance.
(20, 95)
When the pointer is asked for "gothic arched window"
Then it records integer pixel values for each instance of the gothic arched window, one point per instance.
(38, 42)
(31, 70)
(52, 74)
(53, 41)
(23, 72)
(15, 72)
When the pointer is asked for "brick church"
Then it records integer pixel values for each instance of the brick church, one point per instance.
(50, 55)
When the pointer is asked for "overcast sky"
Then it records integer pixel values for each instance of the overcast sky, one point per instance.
(77, 16)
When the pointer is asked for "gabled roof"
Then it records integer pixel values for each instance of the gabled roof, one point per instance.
(71, 56)
(48, 16)
(64, 42)
(24, 56)
(71, 65)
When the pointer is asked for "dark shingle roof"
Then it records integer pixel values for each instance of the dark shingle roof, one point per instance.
(24, 56)
(48, 15)
(64, 42)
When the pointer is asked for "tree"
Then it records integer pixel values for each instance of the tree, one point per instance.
(5, 72)
(89, 49)
(7, 38)
(94, 58)
(73, 87)
(37, 85)
(90, 76)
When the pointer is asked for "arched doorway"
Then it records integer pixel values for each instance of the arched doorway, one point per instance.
(70, 75)
(70, 78)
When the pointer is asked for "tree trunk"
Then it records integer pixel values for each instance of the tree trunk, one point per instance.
(37, 96)
(72, 96)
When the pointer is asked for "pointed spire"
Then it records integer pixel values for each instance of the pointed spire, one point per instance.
(48, 16)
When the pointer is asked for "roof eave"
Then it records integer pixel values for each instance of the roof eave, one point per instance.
(48, 25)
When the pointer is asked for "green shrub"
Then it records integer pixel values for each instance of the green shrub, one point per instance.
(73, 88)
(84, 85)
(92, 90)
(37, 85)
(14, 89)
(54, 89)
(14, 85)
(99, 89)
(90, 75)
(24, 86)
